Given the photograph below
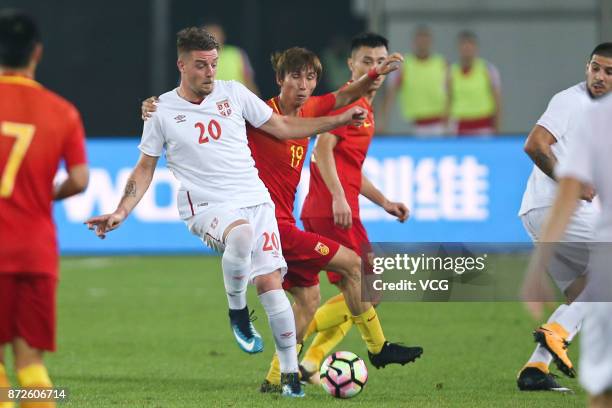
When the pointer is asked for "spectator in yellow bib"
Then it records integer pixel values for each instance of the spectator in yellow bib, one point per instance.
(233, 63)
(475, 90)
(422, 88)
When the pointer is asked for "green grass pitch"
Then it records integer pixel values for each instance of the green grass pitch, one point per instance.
(153, 332)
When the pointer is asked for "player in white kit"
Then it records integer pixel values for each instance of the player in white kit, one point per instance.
(587, 163)
(546, 146)
(201, 126)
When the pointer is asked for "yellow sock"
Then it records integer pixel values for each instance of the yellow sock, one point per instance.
(4, 383)
(371, 331)
(323, 344)
(332, 313)
(34, 376)
(312, 329)
(274, 374)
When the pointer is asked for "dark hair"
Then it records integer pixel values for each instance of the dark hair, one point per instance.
(195, 39)
(295, 59)
(603, 50)
(371, 40)
(19, 35)
(467, 35)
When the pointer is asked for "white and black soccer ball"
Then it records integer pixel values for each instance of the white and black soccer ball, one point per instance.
(343, 374)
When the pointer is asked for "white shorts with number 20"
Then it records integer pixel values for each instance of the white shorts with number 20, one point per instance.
(266, 254)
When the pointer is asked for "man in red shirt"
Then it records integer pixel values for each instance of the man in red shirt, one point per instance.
(38, 130)
(280, 163)
(331, 207)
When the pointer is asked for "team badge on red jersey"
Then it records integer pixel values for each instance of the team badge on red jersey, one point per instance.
(322, 248)
(224, 107)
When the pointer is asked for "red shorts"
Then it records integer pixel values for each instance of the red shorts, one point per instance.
(27, 309)
(355, 238)
(306, 254)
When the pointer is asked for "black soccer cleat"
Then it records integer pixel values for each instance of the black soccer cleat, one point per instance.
(394, 353)
(534, 379)
(308, 377)
(268, 388)
(248, 339)
(291, 386)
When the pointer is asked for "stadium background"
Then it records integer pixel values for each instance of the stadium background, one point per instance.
(107, 57)
(127, 324)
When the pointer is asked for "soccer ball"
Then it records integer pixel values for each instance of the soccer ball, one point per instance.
(343, 374)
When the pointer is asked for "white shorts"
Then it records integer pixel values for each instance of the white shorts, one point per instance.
(266, 255)
(596, 349)
(571, 259)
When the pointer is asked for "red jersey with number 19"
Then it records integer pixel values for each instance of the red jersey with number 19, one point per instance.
(37, 130)
(349, 154)
(280, 162)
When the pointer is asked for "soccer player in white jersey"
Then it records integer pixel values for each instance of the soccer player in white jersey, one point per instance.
(587, 163)
(201, 127)
(546, 146)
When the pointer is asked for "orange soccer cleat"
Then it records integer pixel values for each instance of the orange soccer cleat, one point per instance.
(553, 337)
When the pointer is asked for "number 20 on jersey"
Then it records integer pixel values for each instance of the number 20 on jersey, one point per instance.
(213, 129)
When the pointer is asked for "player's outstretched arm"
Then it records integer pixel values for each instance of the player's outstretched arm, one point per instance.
(135, 187)
(323, 157)
(289, 127)
(359, 88)
(78, 178)
(536, 288)
(369, 191)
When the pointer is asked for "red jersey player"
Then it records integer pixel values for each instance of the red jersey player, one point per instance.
(331, 207)
(280, 165)
(38, 129)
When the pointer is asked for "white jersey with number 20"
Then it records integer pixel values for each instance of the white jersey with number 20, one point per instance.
(206, 146)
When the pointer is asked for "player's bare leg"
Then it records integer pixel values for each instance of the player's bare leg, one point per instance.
(575, 289)
(282, 322)
(306, 301)
(31, 371)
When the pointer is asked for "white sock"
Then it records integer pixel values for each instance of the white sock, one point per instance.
(236, 264)
(540, 354)
(282, 323)
(571, 318)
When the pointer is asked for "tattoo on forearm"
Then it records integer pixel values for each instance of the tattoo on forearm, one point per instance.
(130, 188)
(546, 163)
